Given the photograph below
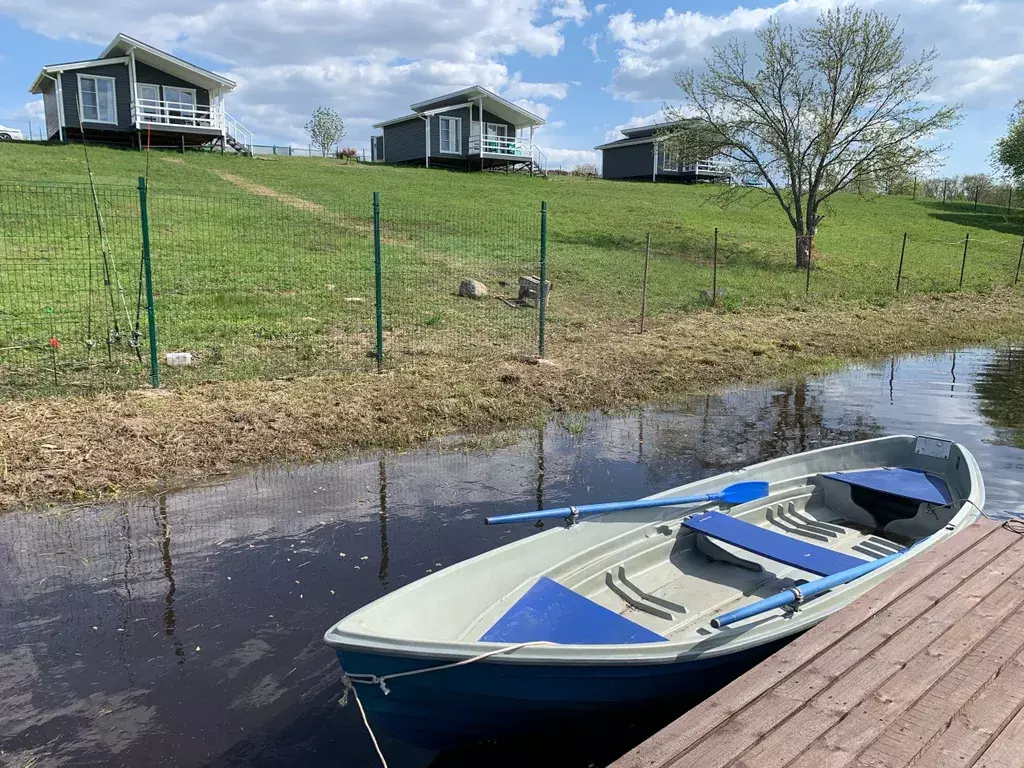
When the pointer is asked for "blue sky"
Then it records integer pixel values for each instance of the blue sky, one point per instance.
(588, 68)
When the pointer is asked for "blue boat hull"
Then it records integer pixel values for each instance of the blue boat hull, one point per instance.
(487, 700)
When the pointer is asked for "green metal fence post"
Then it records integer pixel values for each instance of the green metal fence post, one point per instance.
(899, 274)
(147, 266)
(542, 291)
(963, 264)
(378, 282)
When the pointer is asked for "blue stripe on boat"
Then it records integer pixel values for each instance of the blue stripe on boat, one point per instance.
(784, 549)
(913, 484)
(548, 611)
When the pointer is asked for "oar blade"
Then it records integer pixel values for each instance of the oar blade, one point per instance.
(741, 493)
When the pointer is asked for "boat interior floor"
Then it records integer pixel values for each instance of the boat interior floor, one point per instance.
(672, 578)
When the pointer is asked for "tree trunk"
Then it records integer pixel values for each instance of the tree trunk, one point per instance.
(804, 246)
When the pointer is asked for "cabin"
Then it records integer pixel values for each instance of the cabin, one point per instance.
(133, 94)
(473, 129)
(642, 156)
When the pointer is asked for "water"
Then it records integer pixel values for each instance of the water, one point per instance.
(185, 630)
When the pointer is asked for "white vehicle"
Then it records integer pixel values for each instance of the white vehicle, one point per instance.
(10, 134)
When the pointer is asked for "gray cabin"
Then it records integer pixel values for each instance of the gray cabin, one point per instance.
(641, 156)
(471, 129)
(136, 95)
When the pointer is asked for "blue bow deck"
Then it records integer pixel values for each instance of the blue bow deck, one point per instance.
(913, 484)
(784, 549)
(548, 611)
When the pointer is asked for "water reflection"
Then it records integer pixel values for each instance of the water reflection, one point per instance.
(185, 630)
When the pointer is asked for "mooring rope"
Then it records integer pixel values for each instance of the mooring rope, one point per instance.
(349, 681)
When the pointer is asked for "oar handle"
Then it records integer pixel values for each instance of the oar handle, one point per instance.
(596, 509)
(810, 589)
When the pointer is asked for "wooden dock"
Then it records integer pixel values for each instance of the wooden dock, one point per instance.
(925, 670)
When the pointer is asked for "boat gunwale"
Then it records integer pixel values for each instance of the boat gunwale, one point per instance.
(726, 641)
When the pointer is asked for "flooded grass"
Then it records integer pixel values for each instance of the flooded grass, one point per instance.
(110, 445)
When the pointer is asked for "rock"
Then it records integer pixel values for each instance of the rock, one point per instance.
(472, 289)
(720, 293)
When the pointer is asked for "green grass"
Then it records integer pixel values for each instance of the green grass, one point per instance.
(256, 286)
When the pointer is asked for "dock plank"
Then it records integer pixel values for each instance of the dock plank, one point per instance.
(856, 676)
(975, 546)
(1005, 751)
(973, 727)
(926, 669)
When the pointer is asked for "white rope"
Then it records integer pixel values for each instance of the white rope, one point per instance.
(350, 679)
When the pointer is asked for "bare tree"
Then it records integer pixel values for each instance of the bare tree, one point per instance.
(325, 129)
(818, 109)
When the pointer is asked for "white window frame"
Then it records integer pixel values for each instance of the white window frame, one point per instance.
(147, 112)
(190, 119)
(81, 100)
(457, 121)
(668, 162)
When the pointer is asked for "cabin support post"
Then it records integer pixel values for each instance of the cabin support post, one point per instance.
(542, 292)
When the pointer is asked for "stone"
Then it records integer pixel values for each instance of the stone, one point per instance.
(472, 289)
(721, 293)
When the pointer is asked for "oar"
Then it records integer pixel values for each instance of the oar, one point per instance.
(737, 493)
(810, 589)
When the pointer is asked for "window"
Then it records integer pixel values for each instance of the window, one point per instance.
(181, 104)
(496, 135)
(669, 162)
(451, 135)
(149, 97)
(96, 95)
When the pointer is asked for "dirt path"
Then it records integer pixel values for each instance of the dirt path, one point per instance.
(259, 189)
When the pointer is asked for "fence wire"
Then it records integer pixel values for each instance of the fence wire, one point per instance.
(70, 287)
(260, 284)
(456, 282)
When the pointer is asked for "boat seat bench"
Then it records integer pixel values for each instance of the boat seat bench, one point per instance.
(777, 546)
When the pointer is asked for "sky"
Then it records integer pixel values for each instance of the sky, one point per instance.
(588, 68)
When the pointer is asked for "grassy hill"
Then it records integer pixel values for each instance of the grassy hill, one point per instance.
(264, 266)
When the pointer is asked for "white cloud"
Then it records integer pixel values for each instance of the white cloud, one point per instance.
(634, 122)
(517, 89)
(574, 10)
(567, 158)
(599, 8)
(590, 43)
(369, 61)
(538, 108)
(31, 110)
(979, 42)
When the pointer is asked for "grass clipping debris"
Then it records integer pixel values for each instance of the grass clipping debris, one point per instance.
(104, 446)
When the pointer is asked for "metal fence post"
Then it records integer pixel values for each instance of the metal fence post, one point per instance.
(714, 271)
(899, 274)
(643, 290)
(963, 264)
(378, 282)
(807, 285)
(1020, 258)
(147, 268)
(542, 292)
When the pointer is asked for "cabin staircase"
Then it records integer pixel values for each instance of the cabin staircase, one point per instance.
(236, 145)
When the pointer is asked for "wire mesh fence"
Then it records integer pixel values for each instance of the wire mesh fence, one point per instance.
(70, 286)
(260, 285)
(450, 290)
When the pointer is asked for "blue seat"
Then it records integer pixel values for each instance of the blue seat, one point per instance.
(549, 611)
(777, 546)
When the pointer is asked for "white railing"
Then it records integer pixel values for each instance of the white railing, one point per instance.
(163, 112)
(159, 112)
(501, 146)
(237, 131)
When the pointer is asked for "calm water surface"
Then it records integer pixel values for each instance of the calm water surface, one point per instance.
(186, 630)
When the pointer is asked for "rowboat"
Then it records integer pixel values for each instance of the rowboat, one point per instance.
(645, 605)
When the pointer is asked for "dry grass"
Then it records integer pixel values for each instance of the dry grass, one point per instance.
(116, 444)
